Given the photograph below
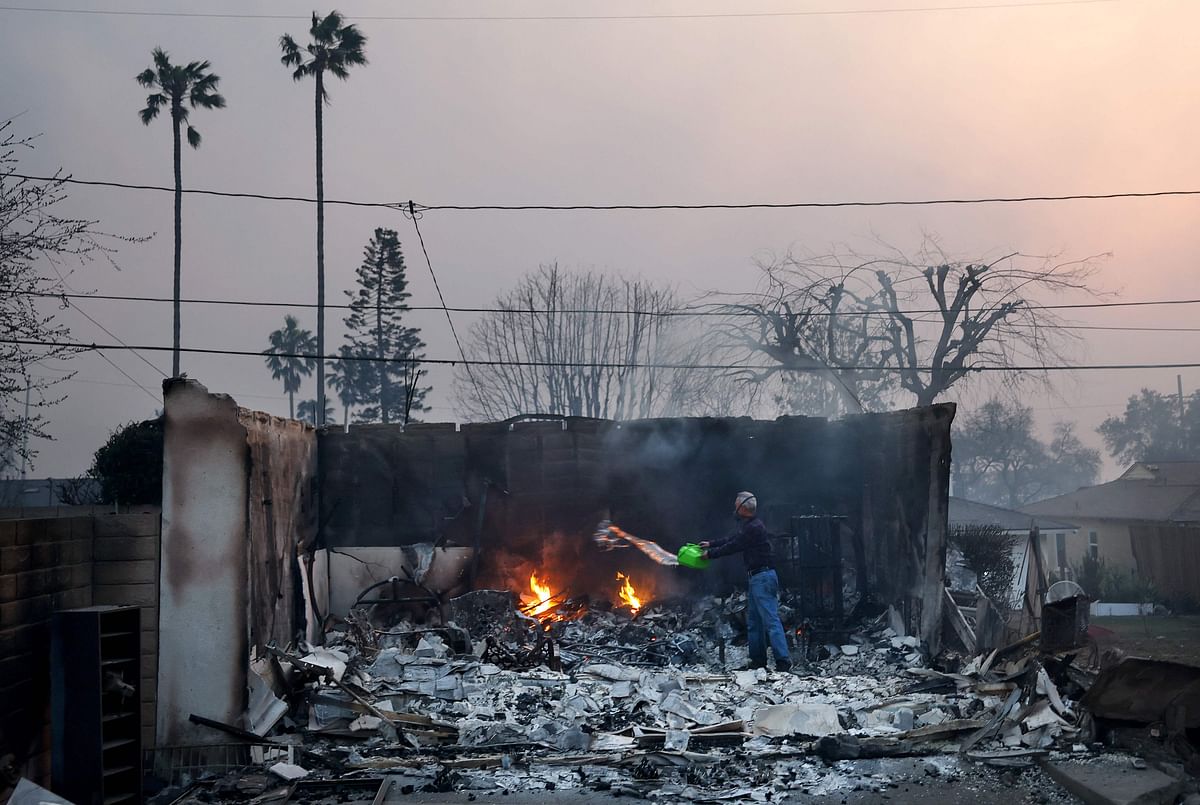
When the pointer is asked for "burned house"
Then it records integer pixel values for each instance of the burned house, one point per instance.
(258, 545)
(425, 608)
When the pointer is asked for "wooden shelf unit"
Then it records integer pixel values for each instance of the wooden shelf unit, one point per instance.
(95, 655)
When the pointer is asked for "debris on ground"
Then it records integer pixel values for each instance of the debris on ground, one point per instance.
(655, 703)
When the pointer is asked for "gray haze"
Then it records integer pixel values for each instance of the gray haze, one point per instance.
(1044, 100)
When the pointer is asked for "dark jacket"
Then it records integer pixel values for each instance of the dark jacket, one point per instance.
(751, 541)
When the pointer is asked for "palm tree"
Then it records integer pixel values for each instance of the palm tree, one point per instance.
(346, 376)
(335, 47)
(308, 411)
(178, 87)
(288, 342)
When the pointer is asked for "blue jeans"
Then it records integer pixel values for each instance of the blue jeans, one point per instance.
(762, 619)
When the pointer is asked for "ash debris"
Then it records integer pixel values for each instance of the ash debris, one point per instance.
(653, 705)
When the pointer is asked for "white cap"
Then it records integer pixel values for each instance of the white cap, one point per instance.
(746, 503)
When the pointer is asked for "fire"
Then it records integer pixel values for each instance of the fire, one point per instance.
(541, 600)
(628, 594)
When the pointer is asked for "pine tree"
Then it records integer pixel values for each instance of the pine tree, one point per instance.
(375, 327)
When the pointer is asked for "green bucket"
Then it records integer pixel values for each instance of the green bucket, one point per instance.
(692, 555)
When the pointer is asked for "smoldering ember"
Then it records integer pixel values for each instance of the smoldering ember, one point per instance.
(456, 613)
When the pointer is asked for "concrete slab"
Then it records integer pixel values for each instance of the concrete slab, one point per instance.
(1114, 782)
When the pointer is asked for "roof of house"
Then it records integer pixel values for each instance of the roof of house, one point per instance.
(1167, 491)
(967, 512)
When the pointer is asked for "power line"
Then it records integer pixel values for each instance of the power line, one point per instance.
(200, 192)
(129, 377)
(135, 385)
(238, 394)
(412, 214)
(754, 205)
(681, 313)
(69, 376)
(1132, 329)
(602, 364)
(795, 205)
(570, 17)
(113, 363)
(111, 334)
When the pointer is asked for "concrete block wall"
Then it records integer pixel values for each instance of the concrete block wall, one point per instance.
(45, 565)
(53, 563)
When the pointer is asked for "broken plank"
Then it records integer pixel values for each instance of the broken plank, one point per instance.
(1002, 713)
(994, 688)
(958, 622)
(1007, 757)
(944, 730)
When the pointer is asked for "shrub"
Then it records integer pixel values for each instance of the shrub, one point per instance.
(987, 552)
(129, 466)
(1104, 583)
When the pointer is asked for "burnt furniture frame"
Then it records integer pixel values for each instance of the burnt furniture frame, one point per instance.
(809, 563)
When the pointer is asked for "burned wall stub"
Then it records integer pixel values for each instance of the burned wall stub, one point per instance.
(670, 480)
(237, 487)
(282, 525)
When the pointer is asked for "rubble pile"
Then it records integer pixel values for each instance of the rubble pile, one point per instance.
(652, 705)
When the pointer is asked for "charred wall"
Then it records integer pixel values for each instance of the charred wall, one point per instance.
(281, 520)
(671, 480)
(237, 487)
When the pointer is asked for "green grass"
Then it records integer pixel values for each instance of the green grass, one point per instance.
(1159, 637)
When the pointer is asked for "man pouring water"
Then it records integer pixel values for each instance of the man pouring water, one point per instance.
(763, 626)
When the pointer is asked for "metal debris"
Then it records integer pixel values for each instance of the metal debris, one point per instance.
(652, 705)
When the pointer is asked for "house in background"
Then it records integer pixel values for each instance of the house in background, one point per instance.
(1146, 522)
(963, 513)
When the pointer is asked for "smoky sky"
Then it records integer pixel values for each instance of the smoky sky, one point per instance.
(1087, 98)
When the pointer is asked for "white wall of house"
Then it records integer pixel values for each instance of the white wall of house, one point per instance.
(203, 653)
(1107, 539)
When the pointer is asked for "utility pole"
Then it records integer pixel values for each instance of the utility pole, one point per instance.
(1183, 434)
(25, 431)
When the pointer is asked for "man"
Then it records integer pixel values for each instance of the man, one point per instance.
(762, 601)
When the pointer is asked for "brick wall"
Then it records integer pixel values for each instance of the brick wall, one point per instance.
(54, 563)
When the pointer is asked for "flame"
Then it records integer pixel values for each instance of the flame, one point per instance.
(628, 594)
(540, 602)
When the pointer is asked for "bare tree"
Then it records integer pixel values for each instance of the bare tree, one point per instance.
(586, 344)
(34, 237)
(821, 345)
(863, 328)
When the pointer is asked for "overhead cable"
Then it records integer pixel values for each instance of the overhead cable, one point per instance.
(753, 205)
(85, 347)
(795, 205)
(678, 313)
(198, 192)
(716, 15)
(414, 216)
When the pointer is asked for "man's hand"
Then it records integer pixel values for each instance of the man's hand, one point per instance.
(704, 545)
